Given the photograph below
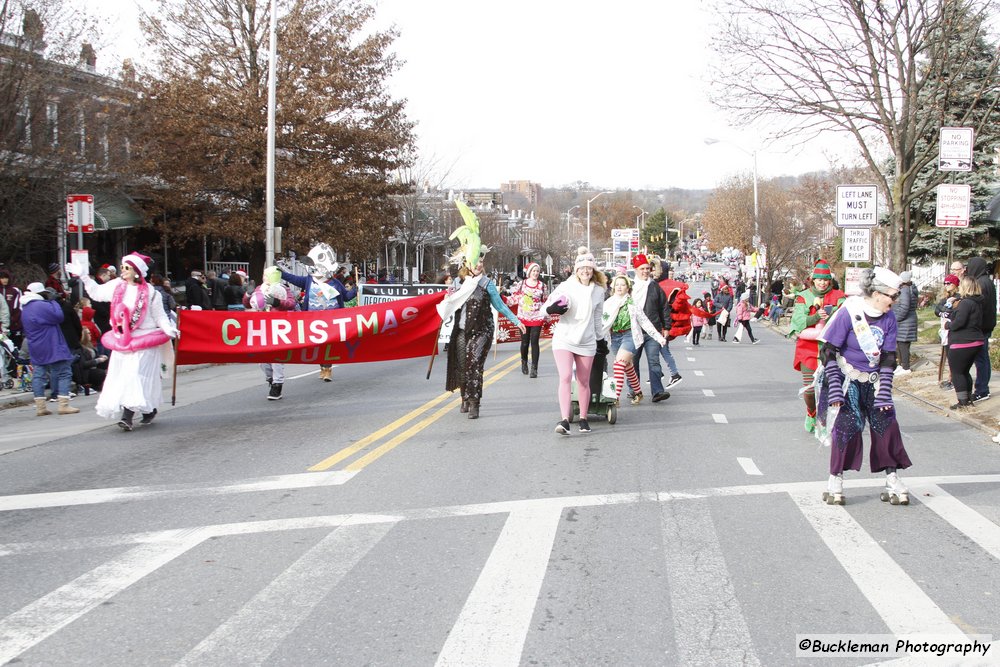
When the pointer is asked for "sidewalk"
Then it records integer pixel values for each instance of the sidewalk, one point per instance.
(922, 386)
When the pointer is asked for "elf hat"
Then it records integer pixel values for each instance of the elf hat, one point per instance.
(822, 270)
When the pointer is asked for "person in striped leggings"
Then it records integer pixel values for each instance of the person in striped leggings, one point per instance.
(625, 322)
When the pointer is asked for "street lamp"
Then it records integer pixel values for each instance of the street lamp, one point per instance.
(271, 105)
(588, 214)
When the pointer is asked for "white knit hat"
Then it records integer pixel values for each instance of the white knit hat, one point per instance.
(584, 258)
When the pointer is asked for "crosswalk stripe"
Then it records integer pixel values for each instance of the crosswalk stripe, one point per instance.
(52, 612)
(253, 633)
(901, 603)
(709, 625)
(968, 521)
(493, 623)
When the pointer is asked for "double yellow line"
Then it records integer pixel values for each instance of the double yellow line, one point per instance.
(492, 375)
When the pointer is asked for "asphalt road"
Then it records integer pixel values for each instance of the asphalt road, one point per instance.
(367, 522)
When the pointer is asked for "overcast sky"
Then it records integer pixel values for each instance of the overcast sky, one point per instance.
(559, 91)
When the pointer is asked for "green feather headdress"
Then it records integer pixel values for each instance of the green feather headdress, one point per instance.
(472, 248)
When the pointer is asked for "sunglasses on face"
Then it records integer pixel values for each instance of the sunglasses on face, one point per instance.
(892, 297)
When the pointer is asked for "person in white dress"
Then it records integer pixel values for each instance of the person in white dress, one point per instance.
(139, 340)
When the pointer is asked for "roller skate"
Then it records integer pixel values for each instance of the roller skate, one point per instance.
(834, 494)
(895, 492)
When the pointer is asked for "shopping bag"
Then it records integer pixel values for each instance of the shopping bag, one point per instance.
(738, 335)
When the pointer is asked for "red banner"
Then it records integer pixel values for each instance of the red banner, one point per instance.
(392, 330)
(508, 333)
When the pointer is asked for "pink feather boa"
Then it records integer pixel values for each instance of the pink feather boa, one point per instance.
(124, 322)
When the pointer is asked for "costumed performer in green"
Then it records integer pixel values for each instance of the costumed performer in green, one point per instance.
(470, 302)
(813, 307)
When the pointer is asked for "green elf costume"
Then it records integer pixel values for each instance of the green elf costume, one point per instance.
(813, 308)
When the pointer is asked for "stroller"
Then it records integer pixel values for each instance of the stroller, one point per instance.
(14, 370)
(602, 392)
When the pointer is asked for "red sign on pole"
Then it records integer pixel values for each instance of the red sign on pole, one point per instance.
(79, 211)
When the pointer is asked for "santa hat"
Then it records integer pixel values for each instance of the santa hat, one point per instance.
(639, 260)
(822, 270)
(530, 266)
(138, 262)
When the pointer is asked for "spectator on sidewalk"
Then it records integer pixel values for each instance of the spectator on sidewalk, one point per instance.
(50, 355)
(977, 270)
(965, 339)
(216, 290)
(197, 293)
(944, 310)
(12, 299)
(905, 308)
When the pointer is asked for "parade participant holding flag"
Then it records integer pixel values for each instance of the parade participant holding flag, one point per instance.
(138, 339)
(813, 308)
(470, 303)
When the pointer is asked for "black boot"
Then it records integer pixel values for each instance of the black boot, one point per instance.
(275, 393)
(465, 405)
(473, 409)
(524, 366)
(534, 371)
(126, 421)
(147, 417)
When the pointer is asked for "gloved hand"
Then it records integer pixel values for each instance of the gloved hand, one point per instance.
(558, 307)
(270, 301)
(74, 270)
(602, 347)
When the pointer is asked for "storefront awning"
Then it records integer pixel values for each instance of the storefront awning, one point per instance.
(113, 210)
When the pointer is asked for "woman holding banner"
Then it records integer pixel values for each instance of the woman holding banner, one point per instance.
(471, 304)
(140, 330)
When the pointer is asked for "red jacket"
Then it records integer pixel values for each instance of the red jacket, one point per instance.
(680, 307)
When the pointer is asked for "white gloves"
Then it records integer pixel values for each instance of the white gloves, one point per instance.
(75, 270)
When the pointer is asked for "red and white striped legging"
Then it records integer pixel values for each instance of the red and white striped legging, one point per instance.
(622, 370)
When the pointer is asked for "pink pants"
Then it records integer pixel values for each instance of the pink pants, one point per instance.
(564, 365)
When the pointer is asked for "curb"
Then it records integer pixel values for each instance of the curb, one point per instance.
(22, 399)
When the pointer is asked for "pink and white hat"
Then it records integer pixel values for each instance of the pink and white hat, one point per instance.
(138, 262)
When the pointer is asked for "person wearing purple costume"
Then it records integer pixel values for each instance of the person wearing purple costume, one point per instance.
(858, 357)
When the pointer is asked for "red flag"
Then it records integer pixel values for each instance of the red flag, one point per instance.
(399, 329)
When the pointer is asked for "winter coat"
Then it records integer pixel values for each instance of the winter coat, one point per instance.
(196, 294)
(41, 320)
(680, 307)
(966, 321)
(304, 283)
(977, 270)
(905, 308)
(12, 297)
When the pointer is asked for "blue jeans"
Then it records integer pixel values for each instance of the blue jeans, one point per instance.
(59, 375)
(623, 339)
(652, 350)
(983, 370)
(669, 358)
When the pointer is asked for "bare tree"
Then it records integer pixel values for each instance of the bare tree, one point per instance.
(883, 72)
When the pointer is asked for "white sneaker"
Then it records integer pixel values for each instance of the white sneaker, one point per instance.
(901, 371)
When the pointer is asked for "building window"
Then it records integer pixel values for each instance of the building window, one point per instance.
(22, 128)
(81, 132)
(102, 124)
(52, 123)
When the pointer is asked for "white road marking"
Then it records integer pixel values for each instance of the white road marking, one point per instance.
(701, 589)
(304, 375)
(493, 623)
(699, 374)
(692, 359)
(720, 419)
(556, 504)
(749, 467)
(968, 521)
(901, 603)
(52, 612)
(708, 392)
(127, 493)
(253, 633)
